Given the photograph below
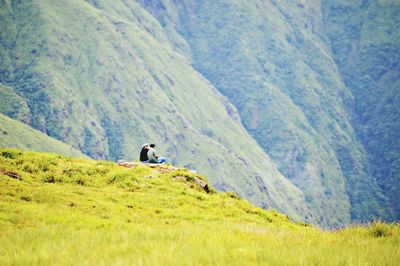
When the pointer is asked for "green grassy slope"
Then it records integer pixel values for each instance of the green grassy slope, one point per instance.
(59, 210)
(104, 78)
(14, 134)
(273, 61)
(368, 56)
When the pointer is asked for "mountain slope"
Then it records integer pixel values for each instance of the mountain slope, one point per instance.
(14, 134)
(273, 60)
(104, 78)
(368, 56)
(74, 211)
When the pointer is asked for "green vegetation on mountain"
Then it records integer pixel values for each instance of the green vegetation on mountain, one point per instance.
(275, 63)
(59, 210)
(368, 55)
(253, 57)
(102, 77)
(14, 134)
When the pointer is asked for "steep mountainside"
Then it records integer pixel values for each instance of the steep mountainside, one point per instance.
(14, 134)
(103, 77)
(273, 60)
(368, 55)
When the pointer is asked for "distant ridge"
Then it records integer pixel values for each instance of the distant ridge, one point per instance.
(14, 134)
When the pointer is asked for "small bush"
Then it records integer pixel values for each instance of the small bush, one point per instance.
(10, 154)
(98, 170)
(379, 229)
(26, 198)
(73, 171)
(76, 175)
(29, 168)
(49, 178)
(20, 161)
(53, 162)
(43, 166)
(189, 178)
(80, 181)
(183, 174)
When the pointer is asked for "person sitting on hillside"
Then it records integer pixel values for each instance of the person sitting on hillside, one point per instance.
(153, 156)
(143, 153)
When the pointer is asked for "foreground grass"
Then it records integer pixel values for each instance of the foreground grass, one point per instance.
(58, 210)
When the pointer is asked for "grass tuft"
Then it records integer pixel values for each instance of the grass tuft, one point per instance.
(49, 178)
(26, 198)
(379, 229)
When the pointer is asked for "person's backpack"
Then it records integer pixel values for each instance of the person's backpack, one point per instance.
(143, 155)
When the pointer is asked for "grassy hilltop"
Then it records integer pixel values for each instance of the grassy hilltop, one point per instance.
(59, 210)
